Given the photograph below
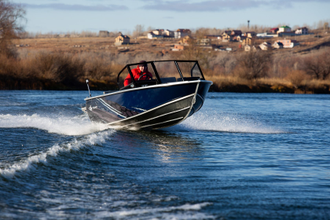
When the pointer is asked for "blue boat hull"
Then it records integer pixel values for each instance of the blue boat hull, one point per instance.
(149, 107)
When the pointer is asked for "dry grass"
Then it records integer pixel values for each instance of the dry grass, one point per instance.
(287, 85)
(229, 80)
(59, 61)
(235, 80)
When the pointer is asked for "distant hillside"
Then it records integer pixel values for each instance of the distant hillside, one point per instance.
(325, 43)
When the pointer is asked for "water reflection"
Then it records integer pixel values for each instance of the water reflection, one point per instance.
(168, 146)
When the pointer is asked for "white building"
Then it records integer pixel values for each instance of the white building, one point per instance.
(180, 33)
(266, 35)
(151, 35)
(265, 46)
(302, 30)
(284, 29)
(168, 33)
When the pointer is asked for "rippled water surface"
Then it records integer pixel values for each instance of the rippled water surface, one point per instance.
(242, 156)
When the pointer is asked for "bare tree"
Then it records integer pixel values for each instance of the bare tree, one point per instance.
(11, 16)
(318, 66)
(326, 26)
(222, 63)
(312, 66)
(193, 51)
(201, 33)
(138, 31)
(254, 64)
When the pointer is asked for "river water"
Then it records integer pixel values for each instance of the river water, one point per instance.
(242, 156)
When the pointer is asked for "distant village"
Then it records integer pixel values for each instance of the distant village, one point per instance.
(164, 40)
(246, 40)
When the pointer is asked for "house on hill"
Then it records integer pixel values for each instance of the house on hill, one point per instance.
(250, 34)
(284, 29)
(152, 35)
(239, 38)
(265, 46)
(236, 33)
(226, 36)
(274, 30)
(160, 33)
(180, 33)
(277, 45)
(122, 39)
(230, 35)
(287, 43)
(247, 37)
(168, 33)
(302, 30)
(178, 47)
(266, 35)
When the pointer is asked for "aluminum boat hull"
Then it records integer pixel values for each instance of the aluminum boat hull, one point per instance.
(150, 107)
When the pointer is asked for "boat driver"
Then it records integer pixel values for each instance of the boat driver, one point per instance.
(140, 71)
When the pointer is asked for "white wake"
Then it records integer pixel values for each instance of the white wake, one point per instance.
(227, 123)
(27, 163)
(78, 125)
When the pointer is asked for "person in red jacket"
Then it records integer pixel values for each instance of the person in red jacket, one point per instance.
(140, 70)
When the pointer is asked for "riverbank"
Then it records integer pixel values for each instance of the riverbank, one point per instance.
(264, 88)
(314, 87)
(322, 88)
(12, 83)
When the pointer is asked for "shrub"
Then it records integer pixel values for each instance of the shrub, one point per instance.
(253, 64)
(297, 77)
(318, 65)
(58, 67)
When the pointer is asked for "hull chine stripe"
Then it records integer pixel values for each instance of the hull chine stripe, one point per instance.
(160, 106)
(159, 116)
(163, 122)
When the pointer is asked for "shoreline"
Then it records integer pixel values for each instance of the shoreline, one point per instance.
(266, 88)
(10, 83)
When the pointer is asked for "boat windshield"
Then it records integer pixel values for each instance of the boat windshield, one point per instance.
(166, 71)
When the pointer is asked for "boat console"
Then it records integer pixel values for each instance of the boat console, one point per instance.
(163, 71)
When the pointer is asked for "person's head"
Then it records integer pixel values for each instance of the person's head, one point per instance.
(143, 66)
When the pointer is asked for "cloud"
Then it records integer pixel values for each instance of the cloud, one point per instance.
(220, 5)
(77, 7)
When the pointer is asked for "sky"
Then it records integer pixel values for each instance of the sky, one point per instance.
(61, 16)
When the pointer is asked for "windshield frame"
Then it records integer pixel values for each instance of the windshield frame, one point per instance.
(158, 79)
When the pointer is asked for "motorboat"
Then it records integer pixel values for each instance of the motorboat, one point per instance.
(175, 92)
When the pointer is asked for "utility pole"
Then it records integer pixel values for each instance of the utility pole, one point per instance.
(248, 24)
